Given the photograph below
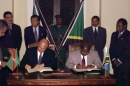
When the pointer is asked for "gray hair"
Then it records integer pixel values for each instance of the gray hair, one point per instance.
(3, 24)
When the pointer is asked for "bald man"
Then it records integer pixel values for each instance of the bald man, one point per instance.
(84, 58)
(40, 56)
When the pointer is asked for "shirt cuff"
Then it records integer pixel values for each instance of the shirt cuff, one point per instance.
(75, 66)
(0, 62)
(95, 66)
(113, 59)
(119, 61)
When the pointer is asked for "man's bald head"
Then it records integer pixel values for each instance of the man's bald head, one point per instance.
(43, 45)
(85, 48)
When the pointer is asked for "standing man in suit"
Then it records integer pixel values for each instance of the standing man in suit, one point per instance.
(120, 53)
(34, 33)
(3, 73)
(96, 35)
(13, 36)
(40, 56)
(84, 58)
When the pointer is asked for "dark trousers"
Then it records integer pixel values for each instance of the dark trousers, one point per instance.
(122, 75)
(4, 73)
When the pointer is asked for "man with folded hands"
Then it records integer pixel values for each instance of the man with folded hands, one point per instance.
(37, 57)
(34, 33)
(84, 58)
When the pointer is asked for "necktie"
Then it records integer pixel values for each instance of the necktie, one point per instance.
(83, 62)
(9, 30)
(95, 32)
(119, 35)
(40, 58)
(35, 34)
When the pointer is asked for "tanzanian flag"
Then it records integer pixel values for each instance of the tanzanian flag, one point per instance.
(13, 62)
(106, 64)
(76, 32)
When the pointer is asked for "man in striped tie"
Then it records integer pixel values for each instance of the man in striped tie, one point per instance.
(34, 33)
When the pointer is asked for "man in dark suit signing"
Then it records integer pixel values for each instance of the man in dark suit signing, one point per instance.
(40, 56)
(13, 36)
(34, 33)
(120, 53)
(96, 35)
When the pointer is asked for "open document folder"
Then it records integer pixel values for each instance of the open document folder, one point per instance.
(84, 70)
(42, 69)
(87, 71)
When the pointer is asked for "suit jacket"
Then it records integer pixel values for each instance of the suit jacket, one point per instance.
(13, 41)
(99, 42)
(4, 72)
(30, 58)
(120, 48)
(75, 58)
(29, 37)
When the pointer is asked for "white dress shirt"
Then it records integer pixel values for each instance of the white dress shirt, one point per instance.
(85, 57)
(10, 26)
(0, 62)
(121, 33)
(94, 28)
(38, 54)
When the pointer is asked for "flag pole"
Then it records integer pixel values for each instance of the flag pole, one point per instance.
(69, 29)
(17, 72)
(45, 22)
(57, 53)
(17, 75)
(106, 74)
(73, 24)
(62, 42)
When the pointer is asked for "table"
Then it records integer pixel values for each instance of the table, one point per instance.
(70, 79)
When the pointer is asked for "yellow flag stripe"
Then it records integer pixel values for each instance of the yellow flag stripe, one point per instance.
(75, 37)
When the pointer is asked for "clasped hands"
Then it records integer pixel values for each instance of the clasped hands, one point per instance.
(27, 67)
(116, 62)
(3, 63)
(78, 66)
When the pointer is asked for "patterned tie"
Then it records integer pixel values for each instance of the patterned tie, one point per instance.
(95, 32)
(40, 58)
(83, 62)
(35, 34)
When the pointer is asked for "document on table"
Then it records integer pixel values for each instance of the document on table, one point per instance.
(83, 70)
(40, 69)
